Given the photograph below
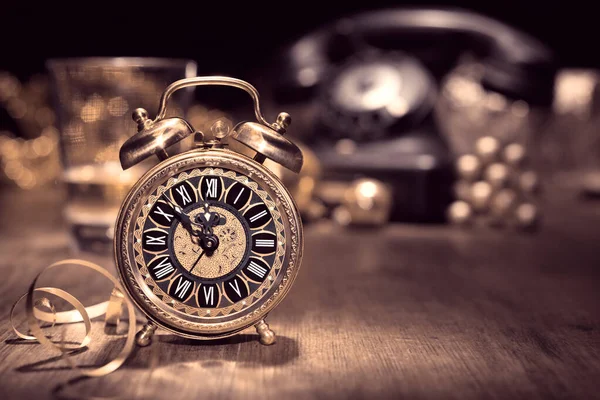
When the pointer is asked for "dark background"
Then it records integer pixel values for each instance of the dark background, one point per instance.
(415, 312)
(237, 39)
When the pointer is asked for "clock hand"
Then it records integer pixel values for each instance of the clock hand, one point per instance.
(200, 231)
(173, 205)
(209, 243)
(185, 219)
(209, 219)
(196, 262)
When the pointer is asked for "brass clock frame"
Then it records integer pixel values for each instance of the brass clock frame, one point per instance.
(160, 314)
(152, 139)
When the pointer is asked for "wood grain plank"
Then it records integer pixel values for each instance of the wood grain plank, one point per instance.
(403, 312)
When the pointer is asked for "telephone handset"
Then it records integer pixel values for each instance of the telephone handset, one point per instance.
(373, 78)
(516, 64)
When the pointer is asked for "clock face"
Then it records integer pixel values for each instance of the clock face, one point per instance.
(207, 243)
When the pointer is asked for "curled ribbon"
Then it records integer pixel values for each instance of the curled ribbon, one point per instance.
(111, 308)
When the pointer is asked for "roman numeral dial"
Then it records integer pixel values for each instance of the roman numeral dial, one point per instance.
(161, 268)
(208, 295)
(256, 269)
(181, 288)
(264, 243)
(238, 195)
(257, 215)
(155, 240)
(236, 289)
(211, 188)
(162, 213)
(184, 194)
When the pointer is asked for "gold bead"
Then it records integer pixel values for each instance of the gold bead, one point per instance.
(468, 167)
(503, 202)
(497, 175)
(481, 192)
(459, 213)
(514, 154)
(527, 216)
(529, 182)
(487, 148)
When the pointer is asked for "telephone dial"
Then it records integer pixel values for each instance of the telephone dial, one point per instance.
(366, 88)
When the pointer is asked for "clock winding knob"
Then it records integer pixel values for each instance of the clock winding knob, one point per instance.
(140, 116)
(283, 121)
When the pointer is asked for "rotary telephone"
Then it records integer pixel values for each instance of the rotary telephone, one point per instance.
(364, 89)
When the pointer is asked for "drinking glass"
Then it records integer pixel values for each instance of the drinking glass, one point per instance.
(94, 99)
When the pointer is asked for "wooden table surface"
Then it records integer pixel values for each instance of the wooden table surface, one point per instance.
(403, 312)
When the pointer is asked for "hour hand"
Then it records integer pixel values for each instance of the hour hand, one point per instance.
(183, 217)
(174, 205)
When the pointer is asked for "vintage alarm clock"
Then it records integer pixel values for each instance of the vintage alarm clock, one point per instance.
(208, 241)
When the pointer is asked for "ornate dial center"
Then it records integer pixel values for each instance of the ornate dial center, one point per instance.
(232, 246)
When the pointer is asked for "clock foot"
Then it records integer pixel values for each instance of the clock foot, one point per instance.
(144, 336)
(267, 336)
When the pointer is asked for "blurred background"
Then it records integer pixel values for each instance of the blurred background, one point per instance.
(457, 142)
(454, 112)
